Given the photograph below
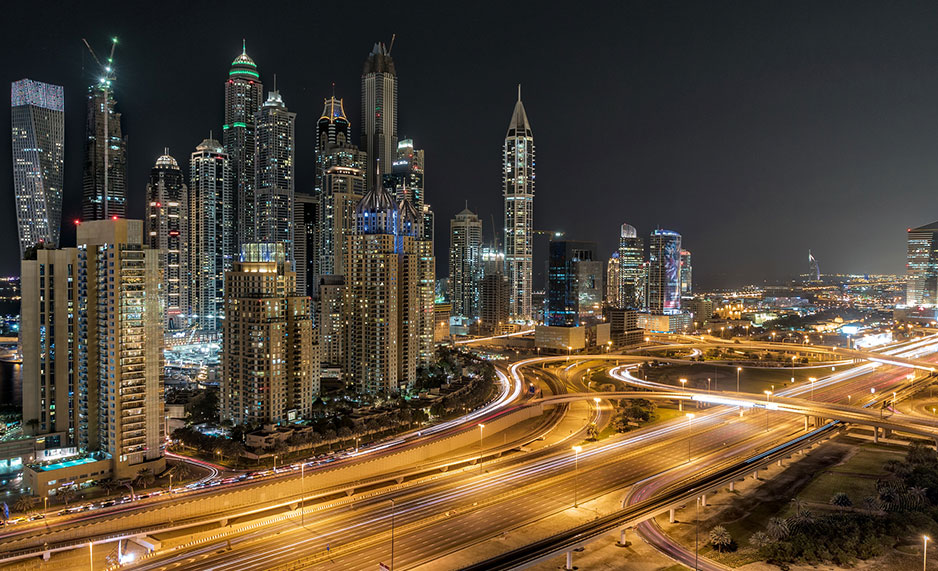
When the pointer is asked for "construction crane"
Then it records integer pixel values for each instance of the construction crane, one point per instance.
(107, 76)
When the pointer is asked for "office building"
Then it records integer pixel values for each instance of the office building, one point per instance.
(104, 180)
(38, 129)
(922, 265)
(613, 281)
(518, 181)
(687, 286)
(575, 284)
(379, 113)
(465, 263)
(167, 234)
(270, 358)
(494, 294)
(212, 232)
(632, 270)
(244, 93)
(274, 178)
(664, 272)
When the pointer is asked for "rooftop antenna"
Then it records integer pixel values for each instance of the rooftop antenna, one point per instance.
(393, 37)
(244, 47)
(275, 83)
(105, 83)
(333, 90)
(519, 92)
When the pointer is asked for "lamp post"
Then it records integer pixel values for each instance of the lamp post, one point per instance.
(392, 533)
(812, 379)
(738, 371)
(596, 400)
(302, 494)
(767, 395)
(848, 399)
(481, 429)
(925, 540)
(690, 422)
(680, 403)
(708, 384)
(576, 472)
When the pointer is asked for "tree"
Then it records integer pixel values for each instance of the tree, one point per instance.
(759, 539)
(182, 471)
(592, 431)
(145, 477)
(25, 504)
(108, 485)
(67, 494)
(720, 539)
(777, 529)
(841, 500)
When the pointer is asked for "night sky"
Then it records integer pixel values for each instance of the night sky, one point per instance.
(757, 130)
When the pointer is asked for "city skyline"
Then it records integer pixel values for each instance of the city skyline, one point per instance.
(713, 112)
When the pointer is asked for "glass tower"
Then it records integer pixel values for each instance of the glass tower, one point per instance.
(664, 272)
(243, 96)
(379, 112)
(518, 179)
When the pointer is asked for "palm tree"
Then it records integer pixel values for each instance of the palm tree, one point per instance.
(25, 504)
(145, 478)
(777, 528)
(67, 494)
(916, 497)
(841, 500)
(759, 539)
(108, 485)
(720, 538)
(182, 471)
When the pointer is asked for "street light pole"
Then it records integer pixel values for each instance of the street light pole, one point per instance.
(681, 401)
(738, 370)
(925, 539)
(767, 395)
(690, 422)
(392, 533)
(481, 429)
(302, 494)
(576, 473)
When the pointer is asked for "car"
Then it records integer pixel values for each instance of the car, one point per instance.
(34, 517)
(108, 503)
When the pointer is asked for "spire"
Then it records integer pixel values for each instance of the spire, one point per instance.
(519, 93)
(519, 125)
(244, 51)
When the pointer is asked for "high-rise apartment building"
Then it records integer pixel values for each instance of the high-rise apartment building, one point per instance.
(632, 269)
(574, 284)
(343, 189)
(244, 93)
(167, 233)
(613, 281)
(922, 265)
(212, 232)
(465, 263)
(49, 344)
(38, 130)
(405, 179)
(274, 166)
(518, 179)
(494, 294)
(687, 285)
(120, 339)
(105, 172)
(664, 272)
(305, 220)
(381, 295)
(330, 319)
(270, 358)
(379, 113)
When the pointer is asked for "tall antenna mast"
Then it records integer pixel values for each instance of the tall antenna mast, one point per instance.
(391, 45)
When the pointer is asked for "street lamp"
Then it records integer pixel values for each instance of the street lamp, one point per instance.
(481, 429)
(596, 400)
(680, 403)
(708, 384)
(392, 533)
(767, 395)
(812, 379)
(690, 421)
(576, 471)
(302, 494)
(738, 371)
(925, 540)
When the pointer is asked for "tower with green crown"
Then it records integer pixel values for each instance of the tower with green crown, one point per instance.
(243, 98)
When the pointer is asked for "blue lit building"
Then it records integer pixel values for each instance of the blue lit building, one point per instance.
(574, 284)
(664, 272)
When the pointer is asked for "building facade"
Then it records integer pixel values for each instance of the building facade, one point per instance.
(305, 230)
(922, 265)
(613, 281)
(343, 188)
(379, 113)
(212, 232)
(664, 272)
(518, 182)
(244, 93)
(574, 284)
(270, 357)
(274, 165)
(167, 234)
(632, 270)
(465, 263)
(687, 273)
(105, 173)
(38, 129)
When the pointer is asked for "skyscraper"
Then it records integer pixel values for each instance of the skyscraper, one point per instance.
(613, 281)
(574, 285)
(120, 339)
(518, 163)
(664, 272)
(270, 359)
(631, 268)
(379, 112)
(104, 180)
(687, 273)
(244, 93)
(212, 234)
(274, 166)
(381, 295)
(922, 265)
(38, 130)
(305, 220)
(167, 222)
(465, 263)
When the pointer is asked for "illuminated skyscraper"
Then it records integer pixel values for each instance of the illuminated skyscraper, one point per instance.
(274, 166)
(687, 273)
(104, 180)
(518, 163)
(664, 272)
(167, 232)
(632, 269)
(613, 281)
(212, 235)
(38, 129)
(305, 220)
(465, 263)
(574, 284)
(270, 358)
(244, 93)
(379, 112)
(922, 265)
